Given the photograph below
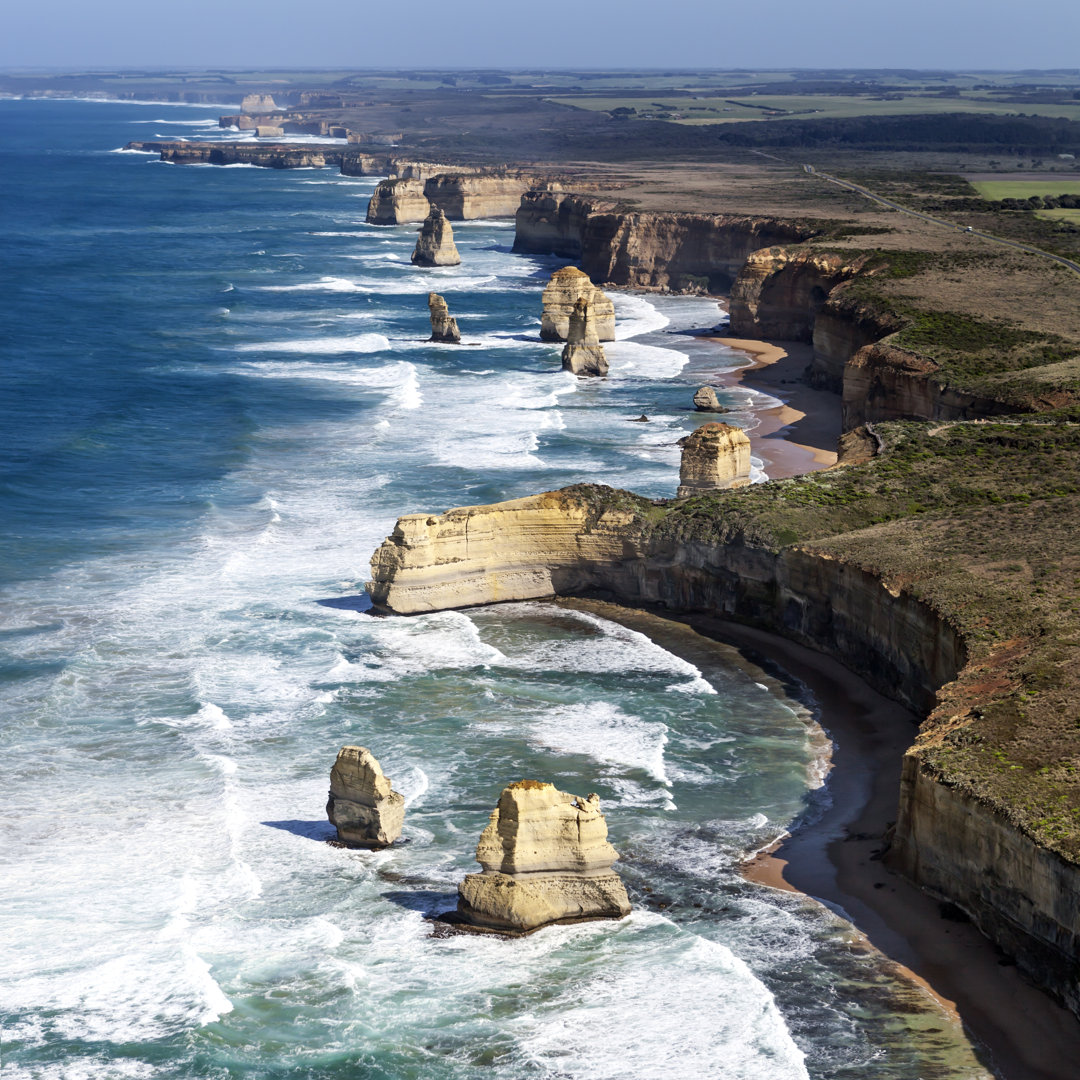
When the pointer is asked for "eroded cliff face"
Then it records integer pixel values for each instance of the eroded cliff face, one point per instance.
(268, 155)
(778, 291)
(398, 202)
(843, 327)
(883, 382)
(462, 194)
(681, 252)
(587, 539)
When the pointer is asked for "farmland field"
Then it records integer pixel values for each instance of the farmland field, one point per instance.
(1024, 189)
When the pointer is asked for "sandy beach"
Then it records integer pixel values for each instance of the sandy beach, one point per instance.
(800, 435)
(1022, 1033)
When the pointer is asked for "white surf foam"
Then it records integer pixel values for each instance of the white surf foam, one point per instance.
(355, 343)
(634, 316)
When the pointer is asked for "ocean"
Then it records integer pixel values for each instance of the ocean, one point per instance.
(217, 397)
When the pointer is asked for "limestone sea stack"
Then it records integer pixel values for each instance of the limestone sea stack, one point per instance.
(444, 326)
(566, 287)
(705, 400)
(583, 354)
(436, 246)
(364, 808)
(397, 202)
(546, 859)
(715, 456)
(257, 104)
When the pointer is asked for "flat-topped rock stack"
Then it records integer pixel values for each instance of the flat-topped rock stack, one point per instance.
(583, 354)
(394, 202)
(256, 104)
(435, 246)
(363, 806)
(715, 456)
(566, 287)
(546, 859)
(444, 326)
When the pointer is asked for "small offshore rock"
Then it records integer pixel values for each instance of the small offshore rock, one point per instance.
(436, 246)
(583, 354)
(705, 400)
(546, 859)
(444, 326)
(714, 456)
(566, 287)
(642, 419)
(363, 807)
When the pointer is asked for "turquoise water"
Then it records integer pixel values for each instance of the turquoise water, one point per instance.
(217, 398)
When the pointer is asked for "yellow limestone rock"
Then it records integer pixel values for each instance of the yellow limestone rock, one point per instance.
(715, 456)
(546, 859)
(566, 287)
(364, 808)
(397, 202)
(583, 354)
(257, 104)
(435, 246)
(444, 326)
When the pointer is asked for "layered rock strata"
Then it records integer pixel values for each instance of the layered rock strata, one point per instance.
(583, 354)
(444, 327)
(589, 539)
(566, 287)
(690, 252)
(435, 245)
(705, 400)
(363, 807)
(546, 859)
(398, 202)
(714, 456)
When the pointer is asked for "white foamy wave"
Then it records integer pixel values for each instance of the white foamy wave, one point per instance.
(355, 343)
(129, 150)
(324, 284)
(632, 358)
(715, 1019)
(634, 315)
(421, 284)
(603, 732)
(179, 123)
(382, 256)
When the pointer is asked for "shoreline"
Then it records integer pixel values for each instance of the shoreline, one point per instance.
(835, 860)
(801, 434)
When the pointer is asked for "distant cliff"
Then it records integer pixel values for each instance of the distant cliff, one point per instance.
(268, 155)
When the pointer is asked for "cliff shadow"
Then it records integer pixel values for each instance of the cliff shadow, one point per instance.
(359, 602)
(320, 830)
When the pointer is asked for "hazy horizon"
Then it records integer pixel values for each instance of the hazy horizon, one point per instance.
(974, 35)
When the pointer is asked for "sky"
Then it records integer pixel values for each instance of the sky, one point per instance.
(723, 34)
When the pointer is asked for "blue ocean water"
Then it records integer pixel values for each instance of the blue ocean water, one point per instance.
(216, 400)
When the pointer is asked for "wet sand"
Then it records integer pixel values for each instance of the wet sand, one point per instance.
(799, 436)
(1018, 1030)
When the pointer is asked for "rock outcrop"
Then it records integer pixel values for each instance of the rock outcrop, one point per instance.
(566, 287)
(254, 104)
(357, 163)
(714, 456)
(444, 326)
(364, 808)
(583, 354)
(435, 246)
(546, 859)
(705, 400)
(267, 155)
(680, 252)
(398, 202)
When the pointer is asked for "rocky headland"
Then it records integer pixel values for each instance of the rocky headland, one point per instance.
(546, 859)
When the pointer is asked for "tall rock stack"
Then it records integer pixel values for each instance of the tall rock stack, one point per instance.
(546, 860)
(436, 246)
(715, 456)
(583, 354)
(566, 287)
(444, 326)
(364, 808)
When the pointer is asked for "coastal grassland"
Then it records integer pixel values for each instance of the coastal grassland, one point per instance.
(977, 520)
(995, 190)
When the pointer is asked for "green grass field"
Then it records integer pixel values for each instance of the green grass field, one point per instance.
(713, 109)
(1071, 216)
(1024, 189)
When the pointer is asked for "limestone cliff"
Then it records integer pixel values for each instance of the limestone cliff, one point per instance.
(435, 245)
(444, 327)
(546, 859)
(363, 806)
(682, 252)
(268, 155)
(561, 293)
(398, 202)
(583, 354)
(254, 104)
(714, 456)
(829, 594)
(356, 163)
